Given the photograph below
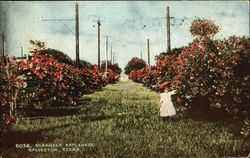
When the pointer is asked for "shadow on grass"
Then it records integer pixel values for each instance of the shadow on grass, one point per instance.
(11, 138)
(50, 112)
(217, 116)
(201, 110)
(209, 115)
(56, 110)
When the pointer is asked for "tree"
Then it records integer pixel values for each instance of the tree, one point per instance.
(37, 46)
(203, 28)
(41, 48)
(134, 64)
(64, 58)
(114, 67)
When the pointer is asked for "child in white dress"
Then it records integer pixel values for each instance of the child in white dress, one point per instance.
(166, 107)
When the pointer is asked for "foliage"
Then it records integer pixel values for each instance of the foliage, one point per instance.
(203, 28)
(246, 128)
(37, 46)
(214, 72)
(57, 55)
(64, 58)
(114, 67)
(12, 82)
(175, 51)
(40, 80)
(134, 64)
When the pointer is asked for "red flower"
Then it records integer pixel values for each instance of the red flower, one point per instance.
(164, 84)
(23, 104)
(241, 46)
(10, 119)
(33, 69)
(219, 63)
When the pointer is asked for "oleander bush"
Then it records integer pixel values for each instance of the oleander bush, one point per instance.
(134, 64)
(214, 72)
(39, 81)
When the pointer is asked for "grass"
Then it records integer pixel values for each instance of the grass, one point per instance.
(120, 121)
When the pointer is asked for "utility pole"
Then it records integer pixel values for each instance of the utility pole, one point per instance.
(148, 52)
(21, 51)
(111, 55)
(99, 48)
(114, 58)
(77, 34)
(141, 54)
(106, 65)
(168, 30)
(3, 45)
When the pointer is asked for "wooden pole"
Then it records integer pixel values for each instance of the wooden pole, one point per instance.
(77, 34)
(99, 47)
(168, 31)
(148, 52)
(111, 55)
(3, 45)
(21, 51)
(106, 65)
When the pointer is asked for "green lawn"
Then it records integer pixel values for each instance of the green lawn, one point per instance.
(120, 121)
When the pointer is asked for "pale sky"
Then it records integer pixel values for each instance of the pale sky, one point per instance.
(127, 23)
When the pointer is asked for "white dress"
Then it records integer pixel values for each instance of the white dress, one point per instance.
(167, 107)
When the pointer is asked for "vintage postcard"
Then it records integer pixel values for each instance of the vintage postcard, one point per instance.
(124, 79)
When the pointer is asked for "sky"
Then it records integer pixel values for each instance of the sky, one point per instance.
(128, 24)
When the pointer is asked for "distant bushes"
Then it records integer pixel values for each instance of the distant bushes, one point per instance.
(134, 64)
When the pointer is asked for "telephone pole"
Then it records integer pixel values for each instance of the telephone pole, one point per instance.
(114, 58)
(77, 34)
(141, 54)
(168, 30)
(21, 51)
(148, 52)
(111, 55)
(106, 65)
(3, 45)
(99, 47)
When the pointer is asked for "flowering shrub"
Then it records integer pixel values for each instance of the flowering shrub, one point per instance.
(40, 80)
(203, 28)
(113, 67)
(12, 83)
(245, 131)
(134, 64)
(214, 72)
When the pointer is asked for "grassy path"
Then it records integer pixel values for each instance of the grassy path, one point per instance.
(122, 121)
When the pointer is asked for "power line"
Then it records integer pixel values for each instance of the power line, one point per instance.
(57, 20)
(61, 21)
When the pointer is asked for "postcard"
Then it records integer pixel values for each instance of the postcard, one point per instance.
(124, 79)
